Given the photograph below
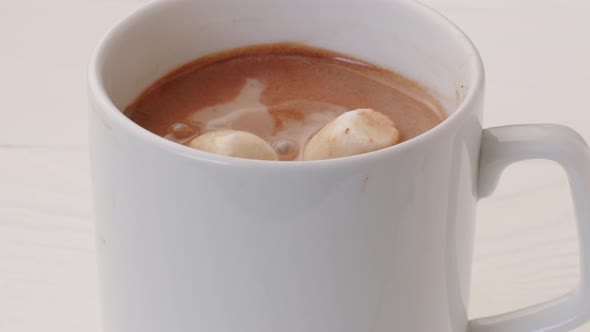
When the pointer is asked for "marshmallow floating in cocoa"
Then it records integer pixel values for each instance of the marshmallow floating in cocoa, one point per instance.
(352, 133)
(234, 143)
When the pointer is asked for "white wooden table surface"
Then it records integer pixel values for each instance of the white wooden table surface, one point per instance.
(537, 55)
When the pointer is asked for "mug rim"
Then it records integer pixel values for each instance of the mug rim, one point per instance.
(115, 117)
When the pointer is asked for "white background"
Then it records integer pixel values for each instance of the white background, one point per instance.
(537, 55)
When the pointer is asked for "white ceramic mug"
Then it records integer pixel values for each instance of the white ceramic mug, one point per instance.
(190, 241)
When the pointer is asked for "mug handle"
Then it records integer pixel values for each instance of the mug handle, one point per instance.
(503, 146)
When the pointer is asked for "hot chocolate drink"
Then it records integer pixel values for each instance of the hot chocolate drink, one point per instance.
(282, 93)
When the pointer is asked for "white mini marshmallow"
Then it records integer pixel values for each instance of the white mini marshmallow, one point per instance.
(233, 143)
(352, 133)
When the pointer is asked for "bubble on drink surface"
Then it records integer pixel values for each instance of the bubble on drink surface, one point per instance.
(285, 148)
(182, 130)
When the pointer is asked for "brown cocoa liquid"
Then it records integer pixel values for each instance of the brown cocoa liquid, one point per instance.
(280, 92)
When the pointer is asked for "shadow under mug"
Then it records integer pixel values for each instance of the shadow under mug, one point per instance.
(190, 241)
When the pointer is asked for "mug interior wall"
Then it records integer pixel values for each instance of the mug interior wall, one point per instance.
(399, 35)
